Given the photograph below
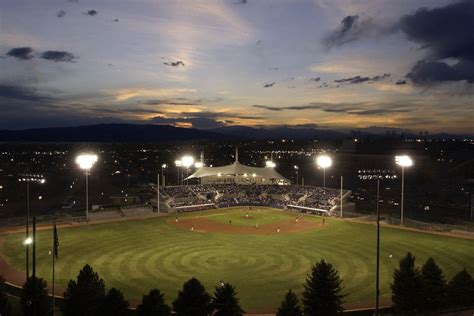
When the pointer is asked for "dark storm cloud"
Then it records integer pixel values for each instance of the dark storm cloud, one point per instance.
(359, 79)
(61, 13)
(401, 82)
(174, 63)
(91, 12)
(58, 56)
(353, 28)
(348, 108)
(315, 79)
(18, 93)
(446, 33)
(22, 53)
(269, 85)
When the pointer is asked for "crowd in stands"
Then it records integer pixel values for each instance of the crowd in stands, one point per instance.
(232, 194)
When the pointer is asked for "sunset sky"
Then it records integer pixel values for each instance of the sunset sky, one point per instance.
(324, 63)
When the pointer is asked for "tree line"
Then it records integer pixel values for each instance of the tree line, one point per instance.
(414, 291)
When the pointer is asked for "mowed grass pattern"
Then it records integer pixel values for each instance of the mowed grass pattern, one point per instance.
(136, 256)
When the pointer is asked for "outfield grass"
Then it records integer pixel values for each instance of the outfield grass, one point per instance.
(136, 256)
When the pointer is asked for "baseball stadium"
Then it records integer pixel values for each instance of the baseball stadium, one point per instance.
(244, 225)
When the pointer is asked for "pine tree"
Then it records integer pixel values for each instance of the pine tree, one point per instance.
(225, 301)
(5, 306)
(434, 286)
(153, 304)
(114, 304)
(322, 294)
(84, 296)
(461, 289)
(192, 300)
(407, 286)
(290, 306)
(37, 301)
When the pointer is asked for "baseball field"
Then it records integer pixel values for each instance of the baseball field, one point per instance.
(263, 252)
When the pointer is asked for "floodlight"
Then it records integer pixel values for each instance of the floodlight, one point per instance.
(164, 166)
(296, 167)
(178, 163)
(270, 164)
(86, 161)
(324, 161)
(28, 241)
(198, 164)
(187, 161)
(404, 161)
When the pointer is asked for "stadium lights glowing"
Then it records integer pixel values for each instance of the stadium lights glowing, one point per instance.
(28, 241)
(178, 163)
(187, 161)
(36, 178)
(198, 165)
(403, 161)
(270, 164)
(164, 166)
(86, 161)
(296, 167)
(324, 161)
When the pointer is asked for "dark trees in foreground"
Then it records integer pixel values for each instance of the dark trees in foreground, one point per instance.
(290, 306)
(225, 301)
(84, 296)
(407, 286)
(153, 304)
(461, 289)
(34, 300)
(434, 287)
(114, 304)
(322, 293)
(192, 300)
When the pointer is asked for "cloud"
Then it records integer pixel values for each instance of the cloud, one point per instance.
(174, 63)
(61, 13)
(21, 53)
(202, 120)
(58, 56)
(19, 93)
(359, 79)
(401, 82)
(446, 34)
(269, 85)
(315, 79)
(353, 28)
(360, 108)
(91, 12)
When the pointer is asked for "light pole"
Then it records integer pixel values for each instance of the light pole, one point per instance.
(187, 161)
(324, 161)
(403, 161)
(296, 170)
(163, 166)
(29, 178)
(86, 162)
(178, 164)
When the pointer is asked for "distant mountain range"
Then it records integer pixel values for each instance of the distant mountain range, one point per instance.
(163, 133)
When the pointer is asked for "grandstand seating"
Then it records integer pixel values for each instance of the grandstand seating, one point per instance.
(266, 195)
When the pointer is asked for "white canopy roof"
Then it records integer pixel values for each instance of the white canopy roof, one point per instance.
(238, 169)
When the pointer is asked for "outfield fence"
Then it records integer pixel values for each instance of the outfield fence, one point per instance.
(411, 223)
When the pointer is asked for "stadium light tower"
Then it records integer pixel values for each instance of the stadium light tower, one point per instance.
(86, 162)
(187, 161)
(29, 178)
(403, 161)
(324, 161)
(178, 164)
(296, 170)
(163, 167)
